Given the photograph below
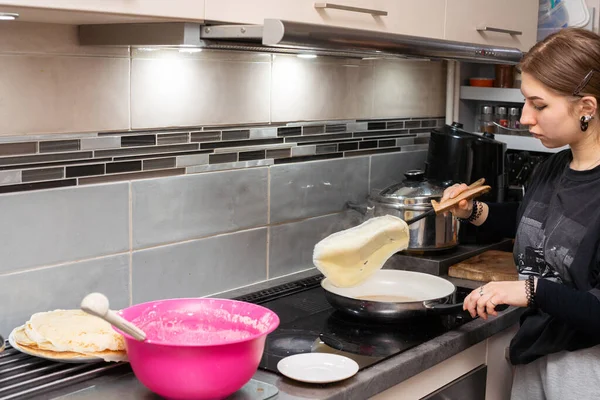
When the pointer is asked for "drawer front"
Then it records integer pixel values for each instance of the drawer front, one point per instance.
(419, 18)
(464, 17)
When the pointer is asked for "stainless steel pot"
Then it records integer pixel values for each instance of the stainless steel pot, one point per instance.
(407, 200)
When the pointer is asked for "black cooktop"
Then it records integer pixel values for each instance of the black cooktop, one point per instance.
(310, 324)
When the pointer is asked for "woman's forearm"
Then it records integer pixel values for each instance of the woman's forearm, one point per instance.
(484, 211)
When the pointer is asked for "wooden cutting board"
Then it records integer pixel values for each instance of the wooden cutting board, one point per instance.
(492, 265)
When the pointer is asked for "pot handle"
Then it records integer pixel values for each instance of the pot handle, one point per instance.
(361, 208)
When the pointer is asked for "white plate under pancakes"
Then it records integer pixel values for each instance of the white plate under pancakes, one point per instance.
(78, 360)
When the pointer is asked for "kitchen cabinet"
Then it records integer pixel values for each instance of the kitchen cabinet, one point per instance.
(489, 353)
(500, 370)
(100, 11)
(459, 20)
(516, 19)
(419, 18)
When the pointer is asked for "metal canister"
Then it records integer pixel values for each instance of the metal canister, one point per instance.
(513, 118)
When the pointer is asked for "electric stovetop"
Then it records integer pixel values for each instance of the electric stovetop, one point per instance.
(310, 324)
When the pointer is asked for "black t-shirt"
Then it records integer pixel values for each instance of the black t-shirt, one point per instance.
(557, 239)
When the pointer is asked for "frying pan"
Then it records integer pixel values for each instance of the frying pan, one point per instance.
(395, 295)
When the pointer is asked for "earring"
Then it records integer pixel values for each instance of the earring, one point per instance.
(583, 122)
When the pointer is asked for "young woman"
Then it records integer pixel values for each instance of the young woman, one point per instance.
(556, 227)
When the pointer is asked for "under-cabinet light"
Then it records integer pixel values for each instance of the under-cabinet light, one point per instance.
(193, 50)
(307, 56)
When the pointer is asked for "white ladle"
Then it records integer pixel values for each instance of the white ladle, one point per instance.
(97, 304)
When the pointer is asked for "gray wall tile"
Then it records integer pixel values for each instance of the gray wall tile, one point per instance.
(55, 226)
(226, 166)
(64, 286)
(317, 188)
(291, 245)
(194, 159)
(11, 176)
(193, 91)
(72, 94)
(200, 267)
(308, 150)
(189, 207)
(99, 143)
(387, 169)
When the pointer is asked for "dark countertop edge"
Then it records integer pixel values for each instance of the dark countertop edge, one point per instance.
(390, 372)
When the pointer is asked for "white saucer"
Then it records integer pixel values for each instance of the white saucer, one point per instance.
(317, 367)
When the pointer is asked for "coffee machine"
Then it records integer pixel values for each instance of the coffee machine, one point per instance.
(458, 156)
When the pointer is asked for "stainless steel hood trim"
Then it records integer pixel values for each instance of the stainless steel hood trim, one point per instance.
(293, 37)
(311, 36)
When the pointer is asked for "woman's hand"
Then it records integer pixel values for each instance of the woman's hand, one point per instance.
(465, 207)
(483, 300)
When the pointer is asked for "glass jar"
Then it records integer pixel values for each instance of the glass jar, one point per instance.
(505, 76)
(486, 120)
(501, 117)
(513, 118)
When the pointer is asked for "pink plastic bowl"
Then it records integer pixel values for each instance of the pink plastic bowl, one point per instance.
(201, 348)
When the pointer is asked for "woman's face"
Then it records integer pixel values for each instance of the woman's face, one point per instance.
(549, 115)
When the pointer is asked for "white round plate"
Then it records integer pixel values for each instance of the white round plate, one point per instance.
(78, 360)
(317, 367)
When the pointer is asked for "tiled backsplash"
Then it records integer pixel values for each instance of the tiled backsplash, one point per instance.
(189, 235)
(42, 162)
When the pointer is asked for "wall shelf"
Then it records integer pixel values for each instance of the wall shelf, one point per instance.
(491, 94)
(527, 143)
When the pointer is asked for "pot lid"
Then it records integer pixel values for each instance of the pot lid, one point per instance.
(414, 190)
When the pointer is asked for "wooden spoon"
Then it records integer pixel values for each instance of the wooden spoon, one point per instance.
(97, 304)
(475, 189)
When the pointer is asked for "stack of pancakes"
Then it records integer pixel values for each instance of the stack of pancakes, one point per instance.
(69, 335)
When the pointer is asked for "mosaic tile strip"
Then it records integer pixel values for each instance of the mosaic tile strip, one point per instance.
(51, 161)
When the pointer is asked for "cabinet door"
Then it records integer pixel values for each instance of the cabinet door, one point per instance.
(418, 18)
(464, 17)
(176, 9)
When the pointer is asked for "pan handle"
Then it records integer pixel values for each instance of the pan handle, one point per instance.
(456, 308)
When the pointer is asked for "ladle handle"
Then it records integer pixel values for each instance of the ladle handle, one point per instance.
(97, 304)
(119, 322)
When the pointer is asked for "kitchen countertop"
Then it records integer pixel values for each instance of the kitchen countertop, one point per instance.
(396, 369)
(366, 383)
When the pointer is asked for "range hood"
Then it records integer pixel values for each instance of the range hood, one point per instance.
(281, 36)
